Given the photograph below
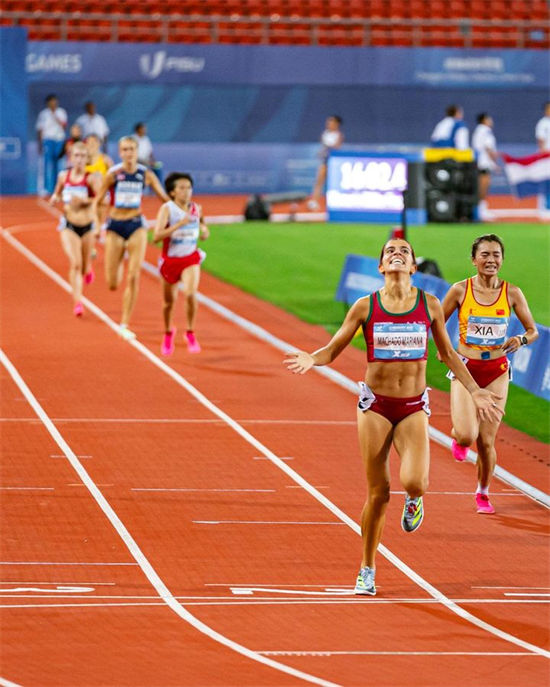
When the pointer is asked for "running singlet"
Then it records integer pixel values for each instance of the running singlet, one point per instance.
(483, 327)
(128, 187)
(99, 166)
(183, 241)
(397, 336)
(75, 189)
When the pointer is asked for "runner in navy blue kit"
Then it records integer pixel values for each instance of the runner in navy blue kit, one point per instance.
(393, 400)
(179, 226)
(126, 226)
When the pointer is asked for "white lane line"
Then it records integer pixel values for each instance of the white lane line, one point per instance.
(396, 653)
(268, 458)
(60, 590)
(140, 558)
(295, 476)
(526, 594)
(261, 601)
(8, 683)
(84, 564)
(103, 584)
(265, 522)
(27, 488)
(55, 455)
(439, 437)
(255, 491)
(508, 587)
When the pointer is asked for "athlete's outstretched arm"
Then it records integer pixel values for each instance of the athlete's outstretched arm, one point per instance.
(300, 362)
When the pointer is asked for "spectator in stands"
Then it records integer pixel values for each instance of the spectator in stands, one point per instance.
(484, 144)
(331, 138)
(93, 123)
(542, 130)
(50, 128)
(145, 149)
(451, 131)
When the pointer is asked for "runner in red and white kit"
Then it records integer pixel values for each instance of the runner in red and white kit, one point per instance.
(179, 226)
(76, 188)
(393, 399)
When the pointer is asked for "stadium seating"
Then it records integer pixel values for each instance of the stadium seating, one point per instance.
(449, 23)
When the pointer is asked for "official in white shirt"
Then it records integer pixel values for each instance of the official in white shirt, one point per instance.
(50, 128)
(451, 131)
(542, 134)
(145, 149)
(93, 123)
(485, 147)
(542, 130)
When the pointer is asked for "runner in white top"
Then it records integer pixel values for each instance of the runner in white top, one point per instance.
(485, 146)
(179, 226)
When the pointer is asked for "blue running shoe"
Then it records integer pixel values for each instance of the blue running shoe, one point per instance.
(413, 514)
(365, 582)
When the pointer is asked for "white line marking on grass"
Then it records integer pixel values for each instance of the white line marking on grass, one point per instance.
(343, 381)
(151, 574)
(295, 476)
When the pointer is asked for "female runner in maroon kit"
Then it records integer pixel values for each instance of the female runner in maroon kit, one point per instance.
(393, 399)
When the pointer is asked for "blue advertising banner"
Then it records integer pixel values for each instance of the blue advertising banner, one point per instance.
(13, 111)
(269, 65)
(530, 365)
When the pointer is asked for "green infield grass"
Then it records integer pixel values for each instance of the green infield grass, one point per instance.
(297, 267)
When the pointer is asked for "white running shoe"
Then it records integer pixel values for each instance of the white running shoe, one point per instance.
(365, 582)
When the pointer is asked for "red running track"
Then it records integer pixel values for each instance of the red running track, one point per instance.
(252, 557)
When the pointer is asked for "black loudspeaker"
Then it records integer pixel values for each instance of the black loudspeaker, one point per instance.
(257, 208)
(441, 206)
(439, 175)
(451, 190)
(427, 266)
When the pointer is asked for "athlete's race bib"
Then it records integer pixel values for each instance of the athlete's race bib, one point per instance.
(74, 192)
(128, 194)
(395, 341)
(486, 331)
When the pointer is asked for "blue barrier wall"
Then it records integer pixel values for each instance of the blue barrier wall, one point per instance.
(13, 111)
(239, 98)
(530, 365)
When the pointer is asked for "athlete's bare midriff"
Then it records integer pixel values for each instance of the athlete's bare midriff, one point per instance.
(124, 213)
(475, 354)
(400, 379)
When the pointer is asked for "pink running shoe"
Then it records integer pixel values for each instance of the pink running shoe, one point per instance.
(78, 309)
(192, 343)
(168, 342)
(483, 504)
(89, 277)
(460, 453)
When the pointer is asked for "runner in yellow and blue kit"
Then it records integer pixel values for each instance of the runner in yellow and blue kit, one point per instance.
(484, 304)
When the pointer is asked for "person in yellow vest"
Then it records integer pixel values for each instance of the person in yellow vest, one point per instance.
(98, 163)
(484, 303)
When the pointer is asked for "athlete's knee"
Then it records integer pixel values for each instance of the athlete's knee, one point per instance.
(464, 437)
(379, 495)
(133, 278)
(416, 486)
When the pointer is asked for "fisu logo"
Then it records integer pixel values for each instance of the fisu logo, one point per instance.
(157, 63)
